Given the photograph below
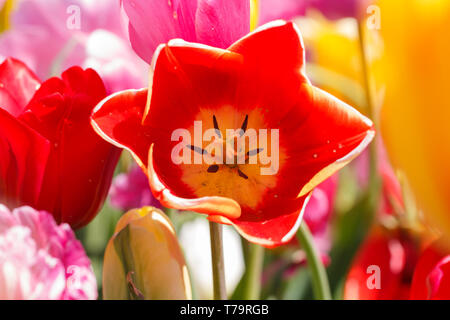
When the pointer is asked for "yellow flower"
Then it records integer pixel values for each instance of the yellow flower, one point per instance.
(5, 12)
(254, 14)
(143, 259)
(415, 116)
(334, 57)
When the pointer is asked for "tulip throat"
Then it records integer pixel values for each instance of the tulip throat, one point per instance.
(233, 158)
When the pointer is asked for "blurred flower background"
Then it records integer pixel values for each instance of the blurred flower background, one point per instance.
(381, 225)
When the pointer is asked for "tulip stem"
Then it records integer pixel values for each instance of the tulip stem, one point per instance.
(365, 69)
(374, 183)
(254, 267)
(218, 266)
(321, 286)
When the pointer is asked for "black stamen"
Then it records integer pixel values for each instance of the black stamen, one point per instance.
(216, 126)
(244, 125)
(254, 152)
(197, 149)
(213, 169)
(242, 175)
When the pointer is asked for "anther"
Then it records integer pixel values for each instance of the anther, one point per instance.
(213, 169)
(245, 124)
(197, 149)
(254, 152)
(242, 175)
(216, 126)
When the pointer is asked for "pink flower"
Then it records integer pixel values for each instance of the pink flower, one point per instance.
(213, 22)
(53, 35)
(318, 214)
(336, 9)
(280, 9)
(131, 190)
(41, 260)
(289, 9)
(320, 206)
(115, 60)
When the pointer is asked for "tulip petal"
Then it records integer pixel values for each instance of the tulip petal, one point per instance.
(321, 133)
(8, 103)
(431, 279)
(60, 110)
(114, 278)
(414, 116)
(24, 153)
(220, 22)
(272, 232)
(278, 46)
(118, 119)
(337, 134)
(17, 85)
(156, 22)
(187, 76)
(144, 255)
(382, 268)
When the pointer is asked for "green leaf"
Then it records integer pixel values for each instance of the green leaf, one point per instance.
(350, 231)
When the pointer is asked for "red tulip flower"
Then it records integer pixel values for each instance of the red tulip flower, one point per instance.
(383, 268)
(51, 158)
(431, 279)
(392, 266)
(257, 84)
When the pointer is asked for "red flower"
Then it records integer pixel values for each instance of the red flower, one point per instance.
(432, 275)
(51, 158)
(383, 267)
(257, 83)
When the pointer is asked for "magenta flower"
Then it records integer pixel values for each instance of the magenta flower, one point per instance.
(289, 9)
(320, 207)
(131, 190)
(318, 214)
(52, 35)
(213, 22)
(270, 10)
(336, 9)
(41, 260)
